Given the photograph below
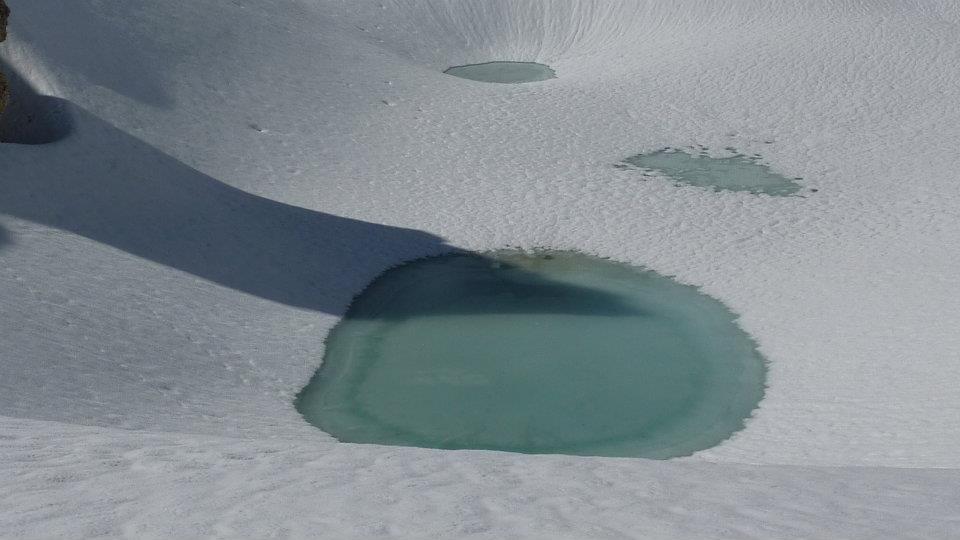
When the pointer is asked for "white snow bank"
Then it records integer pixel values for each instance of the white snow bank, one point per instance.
(85, 482)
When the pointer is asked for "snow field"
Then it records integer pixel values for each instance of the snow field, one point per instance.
(233, 175)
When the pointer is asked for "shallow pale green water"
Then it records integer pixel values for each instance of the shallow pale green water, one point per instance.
(503, 72)
(735, 173)
(553, 352)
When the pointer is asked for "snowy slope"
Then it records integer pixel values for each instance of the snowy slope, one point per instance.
(220, 177)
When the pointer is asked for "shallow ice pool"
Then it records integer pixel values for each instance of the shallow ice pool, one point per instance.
(503, 72)
(738, 172)
(552, 352)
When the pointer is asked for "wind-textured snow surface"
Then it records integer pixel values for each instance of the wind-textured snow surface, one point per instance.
(219, 178)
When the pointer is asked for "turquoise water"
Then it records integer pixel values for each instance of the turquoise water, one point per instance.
(552, 352)
(503, 72)
(735, 173)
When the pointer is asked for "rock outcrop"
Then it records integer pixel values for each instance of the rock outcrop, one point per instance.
(4, 91)
(4, 13)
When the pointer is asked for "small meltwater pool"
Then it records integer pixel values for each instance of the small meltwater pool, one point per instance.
(737, 172)
(543, 352)
(503, 72)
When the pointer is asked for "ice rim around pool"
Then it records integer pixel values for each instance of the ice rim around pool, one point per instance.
(665, 370)
(503, 72)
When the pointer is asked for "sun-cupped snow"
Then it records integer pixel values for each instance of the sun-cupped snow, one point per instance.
(192, 192)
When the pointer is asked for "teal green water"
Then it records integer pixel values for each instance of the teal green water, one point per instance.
(503, 72)
(736, 173)
(553, 352)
